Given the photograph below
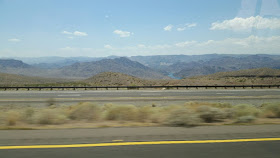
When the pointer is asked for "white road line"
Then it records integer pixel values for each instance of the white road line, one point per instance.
(150, 94)
(70, 95)
(224, 93)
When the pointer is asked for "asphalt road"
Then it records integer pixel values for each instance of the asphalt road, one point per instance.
(230, 95)
(132, 134)
(217, 150)
(137, 93)
(247, 149)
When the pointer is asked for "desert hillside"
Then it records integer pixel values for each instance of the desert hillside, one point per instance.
(16, 80)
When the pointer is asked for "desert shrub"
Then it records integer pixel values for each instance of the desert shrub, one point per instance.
(50, 102)
(27, 114)
(183, 117)
(85, 111)
(222, 105)
(122, 112)
(210, 114)
(49, 116)
(145, 113)
(11, 118)
(229, 113)
(246, 110)
(2, 118)
(194, 104)
(271, 110)
(246, 119)
(160, 114)
(170, 108)
(158, 117)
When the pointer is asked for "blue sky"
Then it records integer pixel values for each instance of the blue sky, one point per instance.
(34, 28)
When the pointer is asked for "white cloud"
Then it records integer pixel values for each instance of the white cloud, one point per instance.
(248, 45)
(168, 27)
(181, 28)
(68, 49)
(14, 40)
(86, 49)
(75, 49)
(239, 24)
(186, 26)
(186, 43)
(123, 33)
(76, 33)
(107, 46)
(191, 25)
(141, 46)
(66, 32)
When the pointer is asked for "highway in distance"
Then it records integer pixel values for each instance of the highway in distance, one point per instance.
(254, 96)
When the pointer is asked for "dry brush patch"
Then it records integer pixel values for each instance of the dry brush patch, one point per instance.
(188, 114)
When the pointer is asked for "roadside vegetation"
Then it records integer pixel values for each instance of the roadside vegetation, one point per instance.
(88, 114)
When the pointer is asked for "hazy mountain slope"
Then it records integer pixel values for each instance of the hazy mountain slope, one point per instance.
(160, 61)
(200, 70)
(261, 72)
(12, 66)
(116, 79)
(11, 63)
(249, 62)
(122, 65)
(12, 79)
(53, 62)
(259, 76)
(224, 64)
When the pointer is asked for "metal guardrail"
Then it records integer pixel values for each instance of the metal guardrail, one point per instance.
(134, 87)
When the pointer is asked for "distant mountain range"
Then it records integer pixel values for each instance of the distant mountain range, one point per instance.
(260, 76)
(241, 77)
(82, 70)
(122, 65)
(182, 66)
(225, 64)
(148, 67)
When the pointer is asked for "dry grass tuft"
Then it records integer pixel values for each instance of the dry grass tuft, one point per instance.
(49, 116)
(85, 111)
(210, 114)
(271, 110)
(145, 113)
(246, 119)
(121, 113)
(183, 117)
(246, 110)
(12, 117)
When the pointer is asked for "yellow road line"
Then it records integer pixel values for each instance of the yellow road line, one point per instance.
(139, 143)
